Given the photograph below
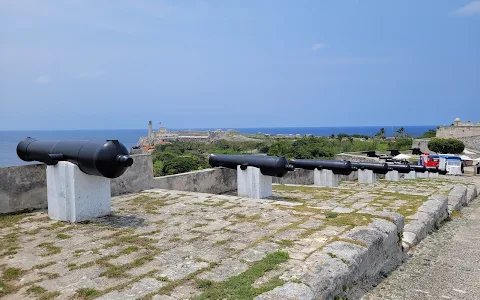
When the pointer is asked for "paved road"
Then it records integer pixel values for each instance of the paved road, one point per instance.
(446, 265)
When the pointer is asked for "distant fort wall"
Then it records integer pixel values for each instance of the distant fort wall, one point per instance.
(162, 135)
(468, 132)
(458, 131)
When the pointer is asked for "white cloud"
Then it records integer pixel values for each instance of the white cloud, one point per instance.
(470, 9)
(318, 46)
(94, 74)
(43, 79)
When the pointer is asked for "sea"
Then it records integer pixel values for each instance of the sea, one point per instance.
(130, 137)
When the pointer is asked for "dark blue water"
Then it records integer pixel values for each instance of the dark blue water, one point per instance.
(129, 137)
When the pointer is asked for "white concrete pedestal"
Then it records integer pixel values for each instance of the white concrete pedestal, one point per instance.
(252, 183)
(432, 175)
(75, 196)
(392, 175)
(325, 178)
(366, 176)
(422, 175)
(411, 175)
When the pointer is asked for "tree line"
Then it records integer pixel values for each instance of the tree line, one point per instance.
(182, 156)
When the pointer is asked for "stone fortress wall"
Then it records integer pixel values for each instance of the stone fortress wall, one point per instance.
(468, 132)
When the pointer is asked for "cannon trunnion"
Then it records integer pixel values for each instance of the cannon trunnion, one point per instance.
(101, 158)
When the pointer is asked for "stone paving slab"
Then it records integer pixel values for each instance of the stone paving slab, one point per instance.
(162, 244)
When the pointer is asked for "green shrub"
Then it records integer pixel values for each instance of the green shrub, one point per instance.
(446, 146)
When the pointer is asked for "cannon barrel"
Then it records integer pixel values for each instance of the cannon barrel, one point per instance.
(377, 168)
(432, 169)
(370, 153)
(101, 158)
(418, 168)
(268, 165)
(394, 152)
(401, 168)
(336, 166)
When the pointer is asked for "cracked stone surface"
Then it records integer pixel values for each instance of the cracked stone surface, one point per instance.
(158, 243)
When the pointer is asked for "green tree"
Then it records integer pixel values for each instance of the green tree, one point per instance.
(445, 146)
(381, 132)
(429, 134)
(400, 132)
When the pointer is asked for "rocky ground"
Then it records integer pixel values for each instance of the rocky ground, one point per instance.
(162, 244)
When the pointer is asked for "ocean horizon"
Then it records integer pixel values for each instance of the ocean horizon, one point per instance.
(130, 137)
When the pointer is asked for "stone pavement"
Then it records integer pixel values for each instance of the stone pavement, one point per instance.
(162, 244)
(446, 265)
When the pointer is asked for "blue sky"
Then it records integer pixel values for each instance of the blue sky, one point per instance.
(117, 64)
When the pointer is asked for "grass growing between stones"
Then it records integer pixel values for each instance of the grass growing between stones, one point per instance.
(12, 274)
(454, 215)
(41, 293)
(348, 219)
(9, 274)
(285, 243)
(9, 244)
(5, 289)
(8, 221)
(121, 271)
(240, 286)
(149, 204)
(50, 248)
(63, 236)
(87, 294)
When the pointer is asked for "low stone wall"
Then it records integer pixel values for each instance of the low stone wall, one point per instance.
(24, 188)
(213, 181)
(356, 157)
(422, 144)
(428, 217)
(299, 176)
(341, 264)
(137, 178)
(457, 198)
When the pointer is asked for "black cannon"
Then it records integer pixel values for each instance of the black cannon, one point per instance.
(401, 168)
(418, 168)
(370, 153)
(101, 158)
(416, 151)
(394, 152)
(377, 168)
(341, 167)
(432, 169)
(268, 165)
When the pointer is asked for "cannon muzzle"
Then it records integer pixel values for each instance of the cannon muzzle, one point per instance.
(101, 158)
(341, 167)
(268, 165)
